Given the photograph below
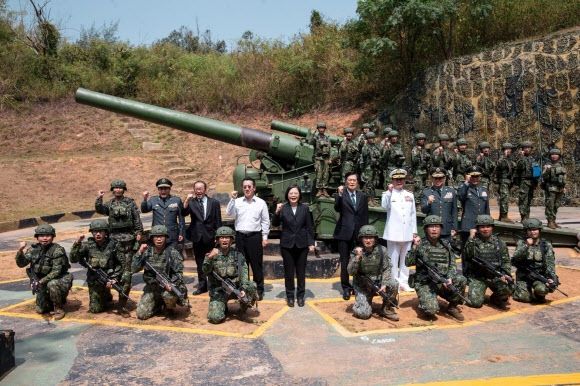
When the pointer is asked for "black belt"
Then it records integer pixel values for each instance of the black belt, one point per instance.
(247, 234)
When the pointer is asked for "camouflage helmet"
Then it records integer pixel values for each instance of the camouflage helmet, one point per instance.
(366, 126)
(432, 220)
(555, 150)
(348, 130)
(443, 137)
(118, 184)
(225, 231)
(532, 223)
(320, 125)
(507, 145)
(484, 145)
(370, 135)
(483, 219)
(393, 133)
(99, 224)
(419, 136)
(368, 230)
(386, 131)
(526, 144)
(461, 141)
(44, 229)
(159, 230)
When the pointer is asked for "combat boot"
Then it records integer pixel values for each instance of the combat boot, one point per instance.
(500, 303)
(552, 224)
(455, 312)
(389, 313)
(524, 217)
(58, 312)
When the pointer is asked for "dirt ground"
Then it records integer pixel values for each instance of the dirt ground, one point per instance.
(196, 317)
(10, 270)
(342, 312)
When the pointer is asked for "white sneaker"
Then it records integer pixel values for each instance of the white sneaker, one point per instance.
(405, 288)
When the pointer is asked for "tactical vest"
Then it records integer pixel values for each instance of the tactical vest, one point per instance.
(229, 266)
(438, 256)
(120, 215)
(463, 163)
(489, 251)
(322, 146)
(557, 178)
(371, 155)
(504, 169)
(526, 167)
(42, 260)
(371, 263)
(349, 151)
(99, 257)
(420, 161)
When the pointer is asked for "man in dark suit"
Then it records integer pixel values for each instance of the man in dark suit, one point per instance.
(352, 205)
(206, 218)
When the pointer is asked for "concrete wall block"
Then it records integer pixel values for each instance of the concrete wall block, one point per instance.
(562, 44)
(573, 60)
(496, 55)
(574, 76)
(507, 70)
(550, 64)
(477, 87)
(548, 46)
(561, 82)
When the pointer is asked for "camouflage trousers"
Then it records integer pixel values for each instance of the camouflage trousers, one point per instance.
(420, 182)
(503, 190)
(322, 169)
(427, 293)
(552, 203)
(218, 303)
(478, 285)
(347, 167)
(529, 290)
(362, 308)
(153, 301)
(99, 297)
(127, 243)
(53, 294)
(525, 196)
(369, 177)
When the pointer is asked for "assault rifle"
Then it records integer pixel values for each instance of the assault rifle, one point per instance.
(230, 288)
(103, 278)
(496, 273)
(538, 276)
(370, 283)
(434, 274)
(34, 281)
(164, 282)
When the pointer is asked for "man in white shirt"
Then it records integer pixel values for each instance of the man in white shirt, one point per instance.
(252, 224)
(401, 225)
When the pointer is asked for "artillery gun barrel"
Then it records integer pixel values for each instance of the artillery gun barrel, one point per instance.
(276, 145)
(299, 131)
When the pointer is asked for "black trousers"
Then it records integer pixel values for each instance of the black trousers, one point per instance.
(250, 245)
(294, 260)
(345, 247)
(199, 250)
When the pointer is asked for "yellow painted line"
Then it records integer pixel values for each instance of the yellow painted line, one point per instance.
(268, 323)
(32, 300)
(281, 281)
(543, 379)
(13, 280)
(349, 334)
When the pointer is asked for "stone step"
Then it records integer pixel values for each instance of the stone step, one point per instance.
(153, 146)
(135, 125)
(142, 134)
(185, 177)
(180, 170)
(172, 162)
(169, 157)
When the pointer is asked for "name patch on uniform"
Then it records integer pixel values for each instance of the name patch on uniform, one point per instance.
(448, 195)
(174, 205)
(483, 194)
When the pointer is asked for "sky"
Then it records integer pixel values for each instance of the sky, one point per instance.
(145, 21)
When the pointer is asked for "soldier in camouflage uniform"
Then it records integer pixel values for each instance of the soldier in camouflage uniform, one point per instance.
(48, 271)
(228, 263)
(486, 163)
(525, 180)
(372, 261)
(537, 254)
(321, 143)
(386, 140)
(125, 227)
(361, 140)
(168, 261)
(554, 181)
(504, 173)
(392, 156)
(370, 159)
(420, 160)
(438, 254)
(488, 247)
(461, 162)
(442, 157)
(99, 252)
(348, 153)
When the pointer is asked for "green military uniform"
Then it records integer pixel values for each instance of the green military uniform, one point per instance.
(495, 252)
(124, 225)
(376, 265)
(362, 139)
(554, 181)
(49, 266)
(438, 254)
(444, 159)
(540, 258)
(168, 262)
(486, 164)
(392, 157)
(370, 159)
(420, 160)
(348, 155)
(461, 164)
(525, 181)
(106, 256)
(504, 174)
(231, 265)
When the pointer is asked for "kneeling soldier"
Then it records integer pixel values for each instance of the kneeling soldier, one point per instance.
(99, 253)
(370, 267)
(487, 264)
(436, 272)
(48, 271)
(163, 275)
(229, 264)
(534, 255)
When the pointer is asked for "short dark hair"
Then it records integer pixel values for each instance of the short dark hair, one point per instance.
(350, 174)
(292, 187)
(200, 182)
(249, 179)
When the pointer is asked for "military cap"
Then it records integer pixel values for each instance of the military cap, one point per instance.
(370, 135)
(420, 136)
(484, 219)
(99, 224)
(348, 130)
(438, 172)
(484, 145)
(321, 124)
(368, 230)
(225, 231)
(527, 144)
(432, 220)
(443, 137)
(461, 141)
(118, 184)
(398, 173)
(44, 229)
(366, 125)
(555, 151)
(164, 183)
(159, 230)
(474, 171)
(507, 145)
(532, 223)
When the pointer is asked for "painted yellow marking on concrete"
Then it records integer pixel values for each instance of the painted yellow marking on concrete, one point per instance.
(349, 334)
(13, 280)
(543, 379)
(281, 281)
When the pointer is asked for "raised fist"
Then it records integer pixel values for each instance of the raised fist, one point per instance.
(431, 198)
(234, 194)
(80, 239)
(530, 241)
(279, 207)
(416, 240)
(211, 254)
(358, 251)
(190, 196)
(340, 189)
(146, 195)
(100, 193)
(22, 245)
(142, 248)
(472, 233)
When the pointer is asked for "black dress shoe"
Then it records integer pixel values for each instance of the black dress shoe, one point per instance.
(290, 302)
(260, 296)
(300, 302)
(199, 291)
(346, 294)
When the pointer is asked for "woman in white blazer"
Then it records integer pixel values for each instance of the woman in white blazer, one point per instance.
(401, 225)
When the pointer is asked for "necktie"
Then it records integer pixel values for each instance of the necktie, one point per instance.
(200, 201)
(353, 198)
